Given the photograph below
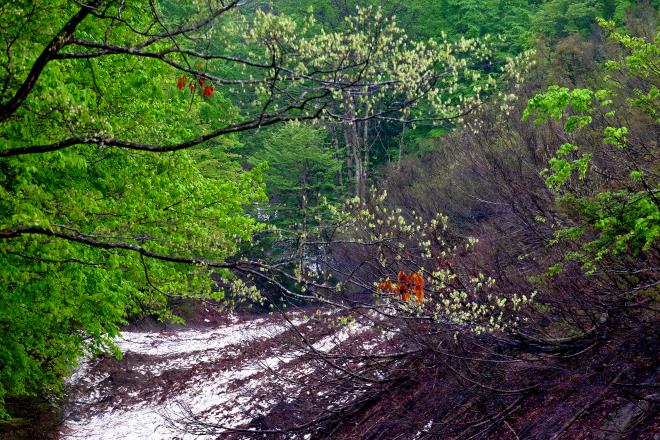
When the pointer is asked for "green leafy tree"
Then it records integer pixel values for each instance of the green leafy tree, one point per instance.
(425, 19)
(558, 18)
(618, 211)
(90, 235)
(302, 172)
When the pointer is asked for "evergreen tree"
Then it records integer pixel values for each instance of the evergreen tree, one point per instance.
(302, 170)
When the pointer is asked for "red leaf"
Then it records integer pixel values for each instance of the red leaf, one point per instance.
(208, 90)
(180, 84)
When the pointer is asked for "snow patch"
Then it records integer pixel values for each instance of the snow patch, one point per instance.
(214, 373)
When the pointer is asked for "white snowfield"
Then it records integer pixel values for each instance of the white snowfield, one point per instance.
(227, 375)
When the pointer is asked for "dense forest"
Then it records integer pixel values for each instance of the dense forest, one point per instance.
(474, 182)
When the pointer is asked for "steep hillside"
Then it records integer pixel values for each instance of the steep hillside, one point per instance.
(239, 375)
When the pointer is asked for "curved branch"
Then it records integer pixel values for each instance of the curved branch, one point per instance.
(103, 141)
(62, 38)
(92, 241)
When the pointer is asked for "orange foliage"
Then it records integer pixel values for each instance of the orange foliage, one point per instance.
(418, 286)
(385, 286)
(405, 287)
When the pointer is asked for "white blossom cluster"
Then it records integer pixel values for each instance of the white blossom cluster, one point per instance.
(405, 242)
(370, 68)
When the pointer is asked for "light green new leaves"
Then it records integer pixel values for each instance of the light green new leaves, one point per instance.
(58, 298)
(625, 217)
